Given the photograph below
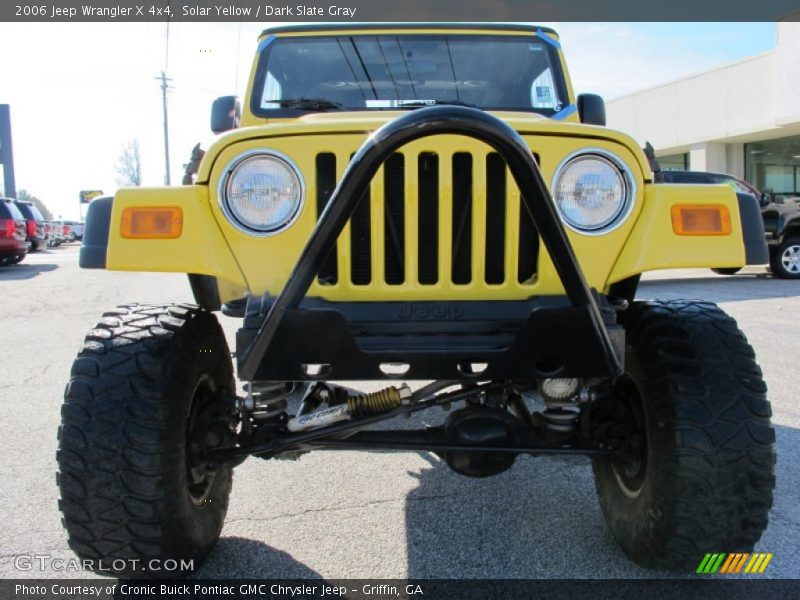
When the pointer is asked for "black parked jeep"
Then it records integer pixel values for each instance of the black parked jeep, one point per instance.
(781, 221)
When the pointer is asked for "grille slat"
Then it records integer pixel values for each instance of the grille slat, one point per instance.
(343, 253)
(495, 218)
(478, 217)
(394, 219)
(445, 226)
(431, 218)
(428, 218)
(511, 256)
(377, 207)
(411, 212)
(361, 239)
(326, 183)
(528, 248)
(361, 242)
(462, 218)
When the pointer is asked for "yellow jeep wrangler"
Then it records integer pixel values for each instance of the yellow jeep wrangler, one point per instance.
(430, 203)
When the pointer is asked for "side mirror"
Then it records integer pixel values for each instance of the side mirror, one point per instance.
(765, 199)
(226, 112)
(592, 109)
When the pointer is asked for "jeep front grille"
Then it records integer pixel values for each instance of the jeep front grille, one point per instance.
(431, 219)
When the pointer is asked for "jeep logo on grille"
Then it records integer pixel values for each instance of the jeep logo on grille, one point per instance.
(421, 310)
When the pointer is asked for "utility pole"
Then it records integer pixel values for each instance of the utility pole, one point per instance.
(9, 186)
(164, 87)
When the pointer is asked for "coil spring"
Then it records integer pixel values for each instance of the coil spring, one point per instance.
(560, 419)
(268, 399)
(374, 403)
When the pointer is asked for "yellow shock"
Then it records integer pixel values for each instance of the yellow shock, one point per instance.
(377, 402)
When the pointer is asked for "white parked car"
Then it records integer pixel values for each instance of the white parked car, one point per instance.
(56, 233)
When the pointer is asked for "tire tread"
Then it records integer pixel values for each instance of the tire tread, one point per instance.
(120, 456)
(712, 444)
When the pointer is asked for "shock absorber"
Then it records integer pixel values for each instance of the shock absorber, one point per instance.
(378, 402)
(361, 405)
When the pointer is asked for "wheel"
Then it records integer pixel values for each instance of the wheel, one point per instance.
(692, 409)
(727, 270)
(144, 401)
(17, 259)
(785, 261)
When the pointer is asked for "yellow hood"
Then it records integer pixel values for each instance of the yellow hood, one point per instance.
(366, 122)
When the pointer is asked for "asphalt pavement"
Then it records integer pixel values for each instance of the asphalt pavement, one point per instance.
(371, 515)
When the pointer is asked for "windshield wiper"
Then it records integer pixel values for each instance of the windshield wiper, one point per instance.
(423, 103)
(307, 103)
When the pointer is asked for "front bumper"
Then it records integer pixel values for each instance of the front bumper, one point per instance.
(96, 232)
(37, 243)
(12, 247)
(756, 249)
(536, 338)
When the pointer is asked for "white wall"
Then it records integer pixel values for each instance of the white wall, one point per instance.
(787, 74)
(708, 156)
(711, 114)
(733, 101)
(734, 160)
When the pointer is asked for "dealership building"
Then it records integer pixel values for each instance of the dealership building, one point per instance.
(741, 118)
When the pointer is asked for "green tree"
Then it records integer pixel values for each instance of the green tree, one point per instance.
(25, 196)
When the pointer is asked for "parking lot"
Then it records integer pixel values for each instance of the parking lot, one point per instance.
(376, 515)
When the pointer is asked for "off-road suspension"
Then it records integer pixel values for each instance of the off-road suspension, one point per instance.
(461, 441)
(561, 398)
(265, 399)
(378, 402)
(353, 407)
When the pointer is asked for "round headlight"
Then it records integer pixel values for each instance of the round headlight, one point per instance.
(592, 191)
(263, 194)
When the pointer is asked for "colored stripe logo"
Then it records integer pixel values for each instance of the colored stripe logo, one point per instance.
(736, 562)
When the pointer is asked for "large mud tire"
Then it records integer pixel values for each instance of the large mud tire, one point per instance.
(129, 498)
(704, 479)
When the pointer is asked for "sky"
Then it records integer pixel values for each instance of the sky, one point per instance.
(79, 91)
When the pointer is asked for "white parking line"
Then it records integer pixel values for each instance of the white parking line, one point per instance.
(38, 259)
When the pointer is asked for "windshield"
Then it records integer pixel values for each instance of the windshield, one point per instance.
(520, 73)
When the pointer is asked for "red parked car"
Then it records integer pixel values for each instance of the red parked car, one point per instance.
(34, 224)
(13, 233)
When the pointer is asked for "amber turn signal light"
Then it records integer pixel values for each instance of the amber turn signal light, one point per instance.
(701, 220)
(145, 222)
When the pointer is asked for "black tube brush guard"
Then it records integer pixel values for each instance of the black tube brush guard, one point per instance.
(571, 335)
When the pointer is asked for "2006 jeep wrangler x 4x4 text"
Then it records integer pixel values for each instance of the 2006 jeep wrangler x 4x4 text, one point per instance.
(418, 203)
